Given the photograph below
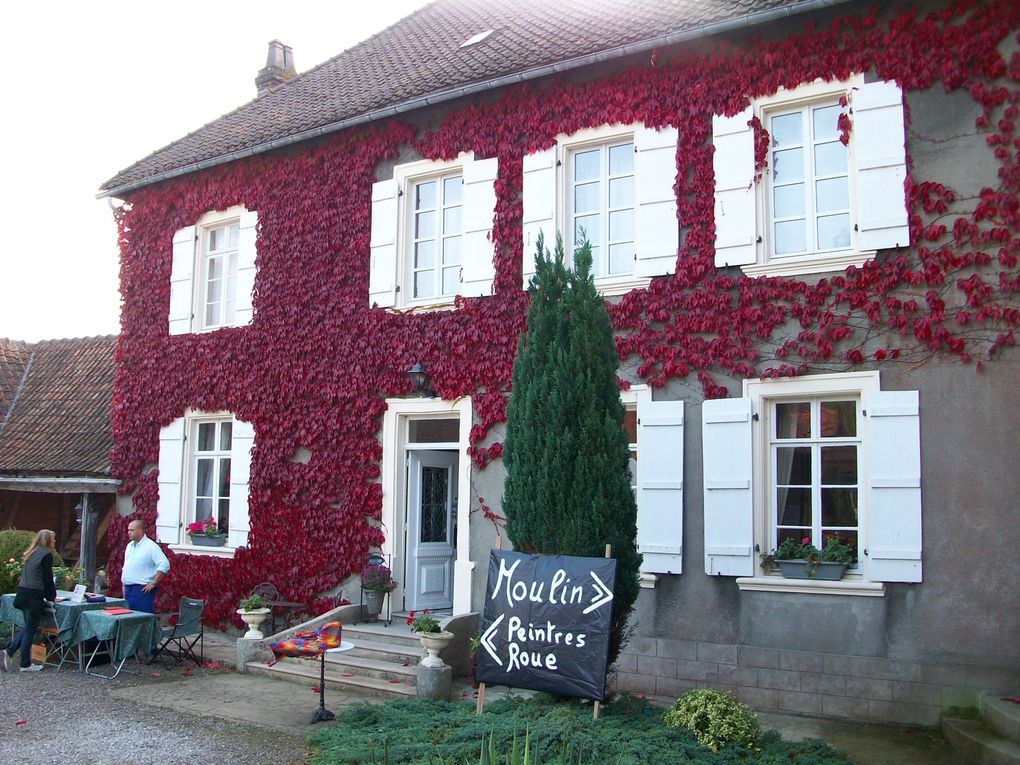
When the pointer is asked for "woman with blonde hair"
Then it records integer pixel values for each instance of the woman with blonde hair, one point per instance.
(34, 589)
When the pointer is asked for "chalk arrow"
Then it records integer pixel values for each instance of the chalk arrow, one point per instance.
(487, 640)
(602, 594)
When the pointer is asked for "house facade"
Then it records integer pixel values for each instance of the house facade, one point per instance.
(805, 220)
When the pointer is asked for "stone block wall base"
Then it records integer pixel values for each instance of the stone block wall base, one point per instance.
(435, 683)
(246, 651)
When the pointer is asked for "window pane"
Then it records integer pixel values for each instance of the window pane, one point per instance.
(839, 507)
(226, 431)
(204, 478)
(424, 254)
(630, 425)
(423, 284)
(451, 220)
(235, 232)
(621, 225)
(832, 194)
(215, 269)
(451, 251)
(621, 159)
(830, 158)
(793, 465)
(788, 165)
(839, 419)
(825, 121)
(425, 196)
(224, 478)
(215, 239)
(839, 465)
(787, 129)
(846, 537)
(224, 520)
(621, 192)
(206, 437)
(586, 197)
(788, 201)
(434, 431)
(793, 420)
(425, 225)
(621, 258)
(790, 237)
(587, 227)
(212, 315)
(596, 264)
(203, 509)
(586, 165)
(794, 506)
(452, 190)
(794, 534)
(834, 231)
(451, 280)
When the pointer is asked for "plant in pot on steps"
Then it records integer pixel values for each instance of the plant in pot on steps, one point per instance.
(206, 533)
(376, 581)
(253, 611)
(802, 560)
(433, 639)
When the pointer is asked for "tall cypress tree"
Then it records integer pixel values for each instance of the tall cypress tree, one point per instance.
(566, 454)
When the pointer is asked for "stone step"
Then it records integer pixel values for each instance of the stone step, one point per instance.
(979, 744)
(368, 633)
(398, 654)
(1001, 716)
(383, 670)
(307, 673)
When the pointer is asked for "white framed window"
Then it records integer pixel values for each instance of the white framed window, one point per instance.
(204, 465)
(614, 185)
(821, 204)
(213, 272)
(431, 225)
(816, 457)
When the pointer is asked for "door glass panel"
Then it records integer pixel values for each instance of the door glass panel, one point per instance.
(434, 493)
(434, 431)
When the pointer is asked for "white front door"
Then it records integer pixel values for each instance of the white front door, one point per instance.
(431, 510)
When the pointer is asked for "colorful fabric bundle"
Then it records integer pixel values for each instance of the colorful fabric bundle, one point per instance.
(308, 644)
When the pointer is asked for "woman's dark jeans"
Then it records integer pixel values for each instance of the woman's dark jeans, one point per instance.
(23, 639)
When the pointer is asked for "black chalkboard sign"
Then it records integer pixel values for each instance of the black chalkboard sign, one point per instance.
(546, 623)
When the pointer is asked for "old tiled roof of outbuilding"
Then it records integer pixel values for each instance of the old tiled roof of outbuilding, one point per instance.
(57, 419)
(419, 60)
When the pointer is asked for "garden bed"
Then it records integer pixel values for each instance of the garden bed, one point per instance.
(629, 733)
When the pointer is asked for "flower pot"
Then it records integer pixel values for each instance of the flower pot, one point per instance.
(433, 643)
(373, 602)
(253, 619)
(801, 569)
(206, 541)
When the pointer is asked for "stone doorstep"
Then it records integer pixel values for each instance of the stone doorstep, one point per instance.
(307, 673)
(1001, 716)
(385, 651)
(369, 633)
(972, 739)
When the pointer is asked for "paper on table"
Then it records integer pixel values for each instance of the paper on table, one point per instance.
(115, 610)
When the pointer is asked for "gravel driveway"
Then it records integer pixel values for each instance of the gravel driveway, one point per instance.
(72, 719)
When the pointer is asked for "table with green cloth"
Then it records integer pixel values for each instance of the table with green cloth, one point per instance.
(119, 636)
(65, 615)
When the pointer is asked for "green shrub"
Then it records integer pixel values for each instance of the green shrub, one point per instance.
(715, 718)
(13, 543)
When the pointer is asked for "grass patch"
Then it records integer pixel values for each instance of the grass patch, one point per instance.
(444, 733)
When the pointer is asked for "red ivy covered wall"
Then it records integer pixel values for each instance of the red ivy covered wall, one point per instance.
(315, 367)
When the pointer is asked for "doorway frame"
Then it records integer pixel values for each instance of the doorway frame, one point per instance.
(394, 486)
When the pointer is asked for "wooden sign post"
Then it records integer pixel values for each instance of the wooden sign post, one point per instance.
(597, 710)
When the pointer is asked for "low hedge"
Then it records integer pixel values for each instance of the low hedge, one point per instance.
(13, 543)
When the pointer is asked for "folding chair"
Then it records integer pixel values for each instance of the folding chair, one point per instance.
(185, 634)
(57, 652)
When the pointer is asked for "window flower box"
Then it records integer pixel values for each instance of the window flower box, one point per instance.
(204, 540)
(802, 569)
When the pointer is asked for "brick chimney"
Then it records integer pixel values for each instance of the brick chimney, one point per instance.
(278, 69)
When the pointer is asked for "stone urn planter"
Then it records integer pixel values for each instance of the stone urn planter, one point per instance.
(434, 643)
(801, 569)
(203, 540)
(254, 619)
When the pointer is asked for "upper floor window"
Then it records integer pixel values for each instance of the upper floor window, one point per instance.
(213, 272)
(614, 186)
(430, 233)
(833, 191)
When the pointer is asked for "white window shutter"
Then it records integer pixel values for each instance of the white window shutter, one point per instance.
(171, 462)
(382, 273)
(245, 268)
(880, 151)
(658, 232)
(736, 226)
(894, 486)
(539, 200)
(182, 288)
(241, 441)
(479, 209)
(729, 507)
(660, 497)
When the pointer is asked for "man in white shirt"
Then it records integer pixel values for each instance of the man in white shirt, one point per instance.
(144, 566)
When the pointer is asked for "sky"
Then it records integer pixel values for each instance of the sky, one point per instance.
(90, 88)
